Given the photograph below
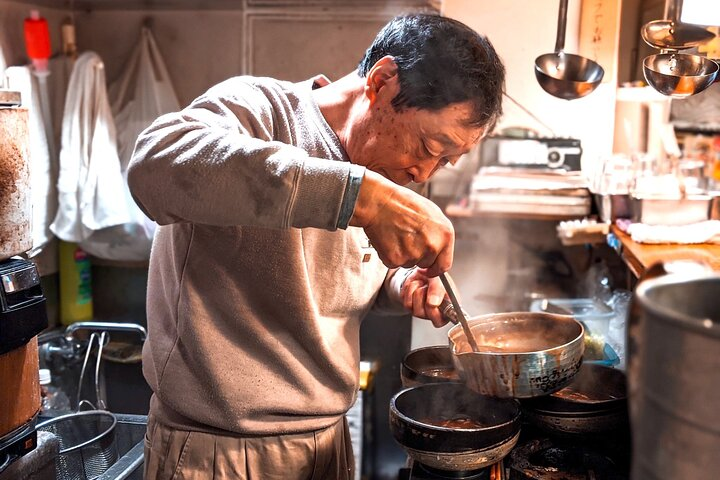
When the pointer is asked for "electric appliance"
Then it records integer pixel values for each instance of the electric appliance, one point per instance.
(552, 153)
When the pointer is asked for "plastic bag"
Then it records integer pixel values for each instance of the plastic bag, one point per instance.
(141, 94)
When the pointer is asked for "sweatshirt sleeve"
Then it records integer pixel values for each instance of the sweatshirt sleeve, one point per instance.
(388, 301)
(216, 163)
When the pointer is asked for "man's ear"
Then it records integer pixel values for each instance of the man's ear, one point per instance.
(382, 79)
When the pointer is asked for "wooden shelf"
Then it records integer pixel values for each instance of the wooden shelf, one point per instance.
(639, 257)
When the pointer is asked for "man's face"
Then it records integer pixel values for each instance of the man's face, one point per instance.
(408, 145)
(411, 145)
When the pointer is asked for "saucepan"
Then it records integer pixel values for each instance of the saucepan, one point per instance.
(448, 427)
(565, 75)
(594, 403)
(520, 354)
(428, 365)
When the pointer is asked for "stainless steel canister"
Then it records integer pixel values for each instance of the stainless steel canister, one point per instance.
(674, 377)
(15, 199)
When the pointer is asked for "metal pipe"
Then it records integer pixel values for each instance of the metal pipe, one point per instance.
(105, 326)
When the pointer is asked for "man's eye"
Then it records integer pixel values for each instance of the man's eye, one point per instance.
(444, 161)
(427, 150)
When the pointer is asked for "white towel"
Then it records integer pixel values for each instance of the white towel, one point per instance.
(701, 232)
(90, 183)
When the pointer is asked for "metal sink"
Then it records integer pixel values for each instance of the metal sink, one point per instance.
(129, 436)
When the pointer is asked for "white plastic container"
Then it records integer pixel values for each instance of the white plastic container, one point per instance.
(671, 211)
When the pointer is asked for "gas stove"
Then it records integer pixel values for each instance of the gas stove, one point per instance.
(539, 456)
(418, 471)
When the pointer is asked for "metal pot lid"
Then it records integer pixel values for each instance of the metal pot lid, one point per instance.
(10, 98)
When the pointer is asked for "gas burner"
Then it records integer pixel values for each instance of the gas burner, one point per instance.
(419, 471)
(544, 459)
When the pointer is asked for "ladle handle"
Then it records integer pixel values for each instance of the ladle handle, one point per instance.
(459, 312)
(562, 22)
(447, 311)
(672, 10)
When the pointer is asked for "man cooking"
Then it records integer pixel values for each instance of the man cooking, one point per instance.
(283, 221)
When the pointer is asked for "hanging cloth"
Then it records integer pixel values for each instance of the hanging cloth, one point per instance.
(90, 182)
(141, 94)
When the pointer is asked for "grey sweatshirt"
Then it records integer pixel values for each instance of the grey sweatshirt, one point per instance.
(254, 297)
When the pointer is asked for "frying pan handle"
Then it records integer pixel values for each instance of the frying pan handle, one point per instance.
(562, 22)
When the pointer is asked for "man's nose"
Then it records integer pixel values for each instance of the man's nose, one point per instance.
(425, 170)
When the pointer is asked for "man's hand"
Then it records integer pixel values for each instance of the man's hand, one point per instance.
(422, 295)
(405, 228)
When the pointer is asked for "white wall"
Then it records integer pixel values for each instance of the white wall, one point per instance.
(522, 30)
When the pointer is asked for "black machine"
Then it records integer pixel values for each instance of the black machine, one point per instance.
(22, 304)
(547, 153)
(22, 317)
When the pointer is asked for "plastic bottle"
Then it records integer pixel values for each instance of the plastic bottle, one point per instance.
(53, 398)
(37, 41)
(75, 284)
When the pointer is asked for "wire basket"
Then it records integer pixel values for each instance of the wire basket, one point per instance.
(87, 443)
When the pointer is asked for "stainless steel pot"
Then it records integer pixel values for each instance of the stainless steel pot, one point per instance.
(594, 403)
(522, 354)
(448, 427)
(15, 199)
(674, 377)
(428, 365)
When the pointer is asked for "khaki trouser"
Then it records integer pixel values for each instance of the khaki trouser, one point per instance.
(176, 454)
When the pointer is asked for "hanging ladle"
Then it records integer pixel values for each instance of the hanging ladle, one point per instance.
(677, 75)
(671, 33)
(565, 75)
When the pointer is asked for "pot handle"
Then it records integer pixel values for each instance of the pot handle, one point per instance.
(562, 22)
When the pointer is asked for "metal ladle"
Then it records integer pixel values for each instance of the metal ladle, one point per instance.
(673, 35)
(671, 73)
(565, 75)
(459, 312)
(679, 75)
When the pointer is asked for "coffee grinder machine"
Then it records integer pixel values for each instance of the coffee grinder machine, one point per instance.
(22, 305)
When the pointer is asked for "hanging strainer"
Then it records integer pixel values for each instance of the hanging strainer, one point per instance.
(87, 443)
